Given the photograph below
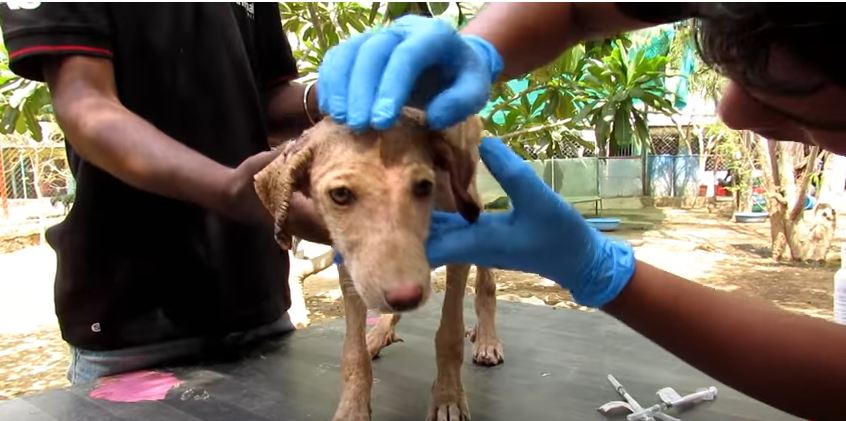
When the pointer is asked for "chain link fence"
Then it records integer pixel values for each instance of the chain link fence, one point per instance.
(36, 186)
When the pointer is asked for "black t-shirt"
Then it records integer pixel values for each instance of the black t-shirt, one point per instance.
(137, 268)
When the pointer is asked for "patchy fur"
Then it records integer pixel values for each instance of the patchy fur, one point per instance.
(376, 191)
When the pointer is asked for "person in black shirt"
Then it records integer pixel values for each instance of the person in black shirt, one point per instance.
(786, 80)
(168, 110)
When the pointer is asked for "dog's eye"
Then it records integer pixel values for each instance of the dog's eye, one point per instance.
(422, 188)
(342, 195)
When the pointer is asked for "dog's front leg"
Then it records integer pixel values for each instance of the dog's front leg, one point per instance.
(487, 348)
(448, 400)
(356, 372)
(383, 334)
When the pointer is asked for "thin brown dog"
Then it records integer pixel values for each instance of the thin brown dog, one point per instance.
(376, 192)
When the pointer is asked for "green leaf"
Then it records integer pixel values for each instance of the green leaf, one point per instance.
(524, 104)
(436, 7)
(510, 120)
(20, 124)
(22, 93)
(308, 34)
(586, 110)
(642, 130)
(357, 25)
(622, 132)
(608, 112)
(565, 107)
(332, 38)
(10, 118)
(601, 130)
(395, 10)
(540, 101)
(12, 84)
(32, 125)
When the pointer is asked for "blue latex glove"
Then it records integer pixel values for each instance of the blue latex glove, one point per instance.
(542, 234)
(367, 79)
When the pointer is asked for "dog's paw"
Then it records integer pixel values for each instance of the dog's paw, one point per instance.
(352, 412)
(487, 349)
(378, 338)
(448, 404)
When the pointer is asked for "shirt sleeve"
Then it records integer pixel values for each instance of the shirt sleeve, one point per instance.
(276, 59)
(35, 31)
(657, 13)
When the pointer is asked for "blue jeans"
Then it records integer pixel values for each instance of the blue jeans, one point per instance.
(87, 366)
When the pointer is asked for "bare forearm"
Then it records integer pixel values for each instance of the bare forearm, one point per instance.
(789, 361)
(285, 113)
(529, 35)
(120, 142)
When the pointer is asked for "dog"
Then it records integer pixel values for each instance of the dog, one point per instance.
(375, 192)
(821, 232)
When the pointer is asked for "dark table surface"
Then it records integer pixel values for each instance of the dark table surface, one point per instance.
(556, 363)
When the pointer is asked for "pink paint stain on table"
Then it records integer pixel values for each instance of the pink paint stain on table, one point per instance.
(135, 387)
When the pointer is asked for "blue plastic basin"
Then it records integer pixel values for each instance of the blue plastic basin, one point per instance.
(750, 217)
(605, 224)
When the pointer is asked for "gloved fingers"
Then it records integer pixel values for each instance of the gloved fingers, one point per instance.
(410, 58)
(467, 95)
(517, 178)
(365, 77)
(333, 77)
(454, 240)
(453, 246)
(447, 221)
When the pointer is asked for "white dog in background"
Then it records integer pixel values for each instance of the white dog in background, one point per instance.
(301, 267)
(821, 232)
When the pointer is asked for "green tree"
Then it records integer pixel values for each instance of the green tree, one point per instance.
(318, 26)
(24, 104)
(616, 94)
(604, 86)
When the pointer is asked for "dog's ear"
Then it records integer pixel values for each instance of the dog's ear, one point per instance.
(276, 183)
(456, 151)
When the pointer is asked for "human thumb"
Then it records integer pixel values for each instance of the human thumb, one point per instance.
(516, 177)
(450, 239)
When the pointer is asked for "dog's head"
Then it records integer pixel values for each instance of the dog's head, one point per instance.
(826, 212)
(375, 192)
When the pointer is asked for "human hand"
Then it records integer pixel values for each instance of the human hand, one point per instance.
(239, 200)
(542, 234)
(367, 79)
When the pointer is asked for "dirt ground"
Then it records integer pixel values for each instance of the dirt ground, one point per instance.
(703, 247)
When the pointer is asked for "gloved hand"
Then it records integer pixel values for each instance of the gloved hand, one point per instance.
(367, 79)
(542, 234)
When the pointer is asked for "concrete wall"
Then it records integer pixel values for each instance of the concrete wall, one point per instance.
(621, 177)
(569, 177)
(674, 175)
(618, 178)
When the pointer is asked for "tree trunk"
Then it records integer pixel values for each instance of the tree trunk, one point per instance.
(786, 195)
(743, 182)
(776, 203)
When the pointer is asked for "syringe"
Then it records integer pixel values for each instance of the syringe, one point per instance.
(671, 399)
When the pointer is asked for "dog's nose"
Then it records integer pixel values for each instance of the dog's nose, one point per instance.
(405, 296)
